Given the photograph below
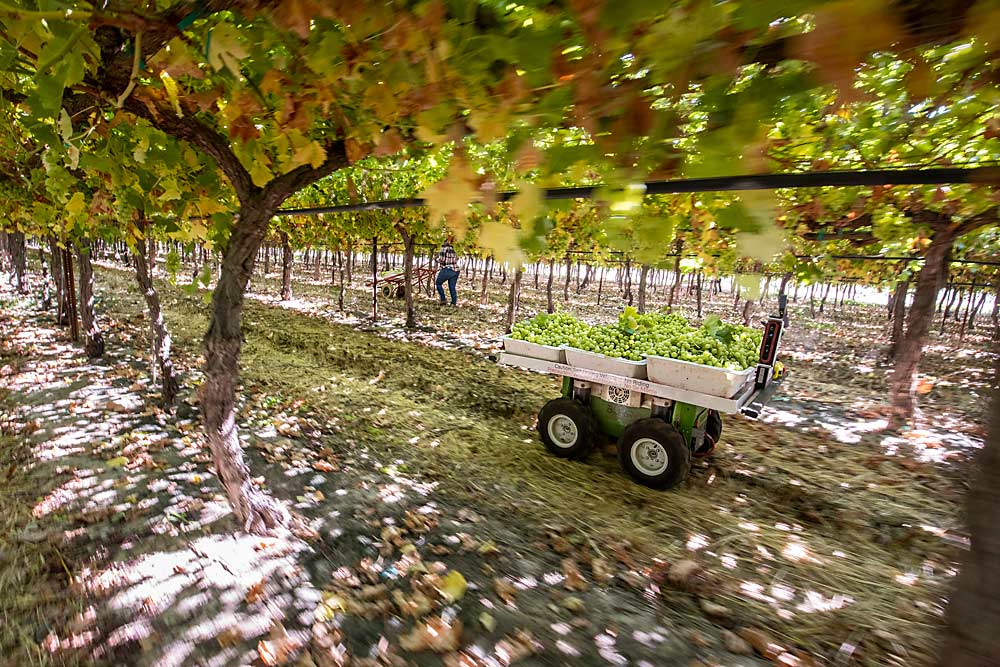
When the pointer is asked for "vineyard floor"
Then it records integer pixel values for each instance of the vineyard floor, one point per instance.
(833, 539)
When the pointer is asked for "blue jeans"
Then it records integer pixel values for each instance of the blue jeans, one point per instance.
(450, 276)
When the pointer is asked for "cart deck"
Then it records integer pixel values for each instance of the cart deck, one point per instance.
(724, 405)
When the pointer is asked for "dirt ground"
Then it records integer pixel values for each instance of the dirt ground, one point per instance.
(446, 533)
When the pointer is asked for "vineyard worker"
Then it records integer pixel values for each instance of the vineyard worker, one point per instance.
(448, 261)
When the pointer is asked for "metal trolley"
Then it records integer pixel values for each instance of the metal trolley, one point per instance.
(659, 427)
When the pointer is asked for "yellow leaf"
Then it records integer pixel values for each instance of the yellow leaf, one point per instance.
(311, 153)
(450, 197)
(749, 285)
(117, 462)
(489, 125)
(502, 240)
(171, 87)
(452, 586)
(77, 204)
(527, 203)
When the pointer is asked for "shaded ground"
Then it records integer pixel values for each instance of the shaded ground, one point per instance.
(128, 516)
(840, 548)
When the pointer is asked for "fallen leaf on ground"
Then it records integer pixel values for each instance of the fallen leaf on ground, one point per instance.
(516, 646)
(601, 570)
(487, 621)
(761, 642)
(735, 644)
(505, 590)
(561, 545)
(279, 648)
(415, 605)
(435, 635)
(229, 637)
(574, 580)
(452, 586)
(256, 593)
(714, 609)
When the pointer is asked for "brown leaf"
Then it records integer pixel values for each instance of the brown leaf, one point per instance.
(601, 570)
(686, 575)
(434, 635)
(761, 642)
(735, 644)
(229, 637)
(574, 580)
(837, 46)
(324, 466)
(715, 610)
(390, 143)
(256, 592)
(561, 545)
(516, 646)
(505, 590)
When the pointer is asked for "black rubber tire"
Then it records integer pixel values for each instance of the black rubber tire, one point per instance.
(714, 426)
(713, 431)
(582, 419)
(677, 451)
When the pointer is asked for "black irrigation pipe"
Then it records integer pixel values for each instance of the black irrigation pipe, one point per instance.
(811, 179)
(884, 258)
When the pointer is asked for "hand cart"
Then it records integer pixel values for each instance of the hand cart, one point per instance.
(392, 285)
(659, 427)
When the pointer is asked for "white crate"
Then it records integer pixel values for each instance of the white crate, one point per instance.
(605, 364)
(704, 379)
(534, 350)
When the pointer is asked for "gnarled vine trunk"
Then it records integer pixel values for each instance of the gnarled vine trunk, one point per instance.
(94, 339)
(898, 317)
(569, 271)
(162, 343)
(18, 257)
(408, 242)
(286, 268)
(56, 264)
(918, 323)
(643, 278)
(513, 298)
(258, 512)
(973, 615)
(548, 287)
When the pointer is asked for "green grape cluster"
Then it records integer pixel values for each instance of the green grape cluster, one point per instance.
(550, 329)
(635, 336)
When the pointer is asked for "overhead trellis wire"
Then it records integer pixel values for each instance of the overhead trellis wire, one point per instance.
(810, 179)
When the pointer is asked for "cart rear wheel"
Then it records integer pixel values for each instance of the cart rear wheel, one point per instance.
(386, 291)
(713, 431)
(566, 427)
(654, 454)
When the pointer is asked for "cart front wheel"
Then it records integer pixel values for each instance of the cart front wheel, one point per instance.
(566, 427)
(654, 454)
(386, 291)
